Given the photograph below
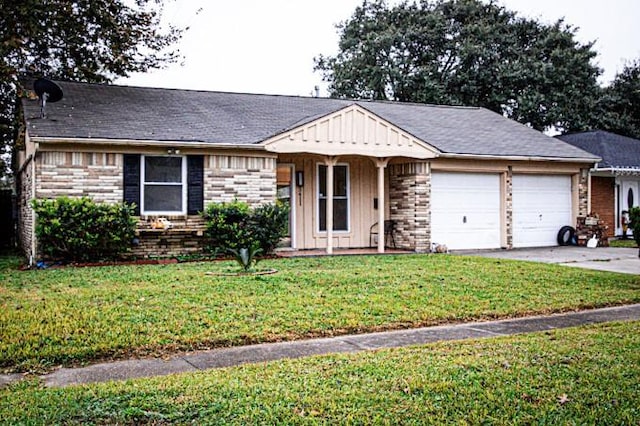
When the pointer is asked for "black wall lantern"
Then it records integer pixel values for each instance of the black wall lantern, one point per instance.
(300, 178)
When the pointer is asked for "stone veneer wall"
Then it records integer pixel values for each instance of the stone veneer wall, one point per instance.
(95, 175)
(24, 180)
(250, 179)
(100, 176)
(409, 204)
(185, 238)
(508, 213)
(583, 193)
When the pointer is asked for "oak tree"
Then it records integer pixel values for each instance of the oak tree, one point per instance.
(618, 109)
(465, 52)
(81, 40)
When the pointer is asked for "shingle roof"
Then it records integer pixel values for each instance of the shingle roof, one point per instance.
(136, 113)
(616, 151)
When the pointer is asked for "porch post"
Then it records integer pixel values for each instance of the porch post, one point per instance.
(381, 164)
(330, 162)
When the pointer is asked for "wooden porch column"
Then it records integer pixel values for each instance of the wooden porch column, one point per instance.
(381, 164)
(330, 162)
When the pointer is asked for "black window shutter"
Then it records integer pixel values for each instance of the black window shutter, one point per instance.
(132, 181)
(195, 184)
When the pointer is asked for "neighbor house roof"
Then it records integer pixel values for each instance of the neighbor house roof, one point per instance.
(617, 152)
(99, 111)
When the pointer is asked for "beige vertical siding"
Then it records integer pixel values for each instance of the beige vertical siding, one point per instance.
(363, 189)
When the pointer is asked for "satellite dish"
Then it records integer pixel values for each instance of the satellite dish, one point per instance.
(47, 91)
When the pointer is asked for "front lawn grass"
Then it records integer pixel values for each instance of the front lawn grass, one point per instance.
(73, 315)
(630, 243)
(585, 375)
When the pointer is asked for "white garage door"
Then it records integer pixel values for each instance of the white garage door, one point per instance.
(541, 206)
(465, 210)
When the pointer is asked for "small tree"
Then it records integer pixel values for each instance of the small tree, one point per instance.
(235, 225)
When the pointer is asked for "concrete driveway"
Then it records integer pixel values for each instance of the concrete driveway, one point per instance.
(612, 259)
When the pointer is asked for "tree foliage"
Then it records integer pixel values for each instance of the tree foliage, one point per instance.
(235, 225)
(85, 40)
(465, 52)
(618, 109)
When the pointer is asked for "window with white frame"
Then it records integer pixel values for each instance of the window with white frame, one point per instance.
(164, 184)
(340, 197)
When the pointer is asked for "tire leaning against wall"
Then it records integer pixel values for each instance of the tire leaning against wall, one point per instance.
(565, 235)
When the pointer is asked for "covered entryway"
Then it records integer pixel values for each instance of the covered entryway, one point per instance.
(342, 159)
(541, 206)
(465, 210)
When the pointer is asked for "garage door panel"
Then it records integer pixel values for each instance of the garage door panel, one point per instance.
(541, 206)
(465, 210)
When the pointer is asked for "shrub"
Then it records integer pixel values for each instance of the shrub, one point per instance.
(235, 225)
(79, 229)
(247, 257)
(270, 224)
(634, 218)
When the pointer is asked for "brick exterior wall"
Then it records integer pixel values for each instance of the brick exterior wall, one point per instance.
(602, 200)
(409, 205)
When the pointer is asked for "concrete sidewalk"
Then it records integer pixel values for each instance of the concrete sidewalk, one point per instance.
(225, 357)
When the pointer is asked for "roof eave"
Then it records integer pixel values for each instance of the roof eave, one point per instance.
(520, 158)
(144, 142)
(616, 171)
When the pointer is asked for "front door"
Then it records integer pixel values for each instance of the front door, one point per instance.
(286, 194)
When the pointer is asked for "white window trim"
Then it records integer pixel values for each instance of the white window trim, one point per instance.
(143, 210)
(348, 198)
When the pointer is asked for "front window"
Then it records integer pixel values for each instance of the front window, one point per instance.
(340, 198)
(163, 185)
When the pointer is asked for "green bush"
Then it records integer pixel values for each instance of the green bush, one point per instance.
(270, 224)
(79, 229)
(634, 218)
(235, 225)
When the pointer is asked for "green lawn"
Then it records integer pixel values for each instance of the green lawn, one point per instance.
(586, 375)
(630, 243)
(75, 315)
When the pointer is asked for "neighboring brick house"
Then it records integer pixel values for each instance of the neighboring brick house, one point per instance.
(465, 177)
(615, 180)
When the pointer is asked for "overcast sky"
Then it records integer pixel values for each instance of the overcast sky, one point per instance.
(268, 46)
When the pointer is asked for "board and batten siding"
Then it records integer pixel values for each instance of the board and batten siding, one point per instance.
(362, 191)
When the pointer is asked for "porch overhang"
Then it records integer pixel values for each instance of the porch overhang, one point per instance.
(350, 131)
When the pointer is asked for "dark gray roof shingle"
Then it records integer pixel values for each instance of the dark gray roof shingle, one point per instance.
(615, 150)
(137, 113)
